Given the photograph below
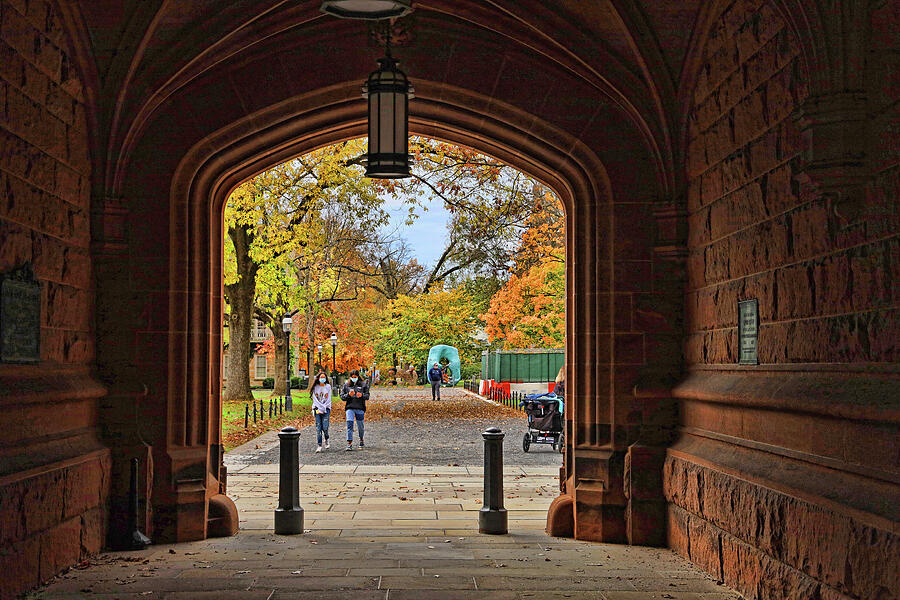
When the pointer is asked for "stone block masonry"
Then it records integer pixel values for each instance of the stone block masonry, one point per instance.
(760, 228)
(54, 473)
(769, 219)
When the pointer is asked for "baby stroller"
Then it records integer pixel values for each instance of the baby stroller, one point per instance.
(545, 424)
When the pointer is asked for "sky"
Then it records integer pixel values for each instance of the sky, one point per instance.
(427, 235)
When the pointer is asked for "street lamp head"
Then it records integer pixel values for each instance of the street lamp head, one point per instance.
(334, 339)
(366, 9)
(319, 348)
(286, 324)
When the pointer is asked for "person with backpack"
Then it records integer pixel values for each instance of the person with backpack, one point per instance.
(436, 377)
(320, 393)
(354, 393)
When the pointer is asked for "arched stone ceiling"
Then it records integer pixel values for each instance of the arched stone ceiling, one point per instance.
(626, 53)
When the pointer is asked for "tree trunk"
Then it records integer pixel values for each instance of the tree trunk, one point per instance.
(280, 361)
(240, 298)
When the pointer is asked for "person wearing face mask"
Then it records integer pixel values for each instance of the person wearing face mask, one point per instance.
(354, 393)
(320, 393)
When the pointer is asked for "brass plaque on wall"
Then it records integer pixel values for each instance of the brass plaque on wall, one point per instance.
(20, 317)
(748, 332)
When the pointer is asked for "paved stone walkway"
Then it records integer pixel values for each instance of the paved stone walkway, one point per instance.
(449, 436)
(390, 532)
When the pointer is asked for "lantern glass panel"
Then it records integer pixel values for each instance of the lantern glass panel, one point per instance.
(386, 124)
(401, 143)
(366, 9)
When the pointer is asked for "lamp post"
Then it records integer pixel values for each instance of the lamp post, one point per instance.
(319, 348)
(286, 327)
(333, 361)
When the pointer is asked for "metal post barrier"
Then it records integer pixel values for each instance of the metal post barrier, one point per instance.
(246, 415)
(254, 412)
(270, 408)
(492, 516)
(289, 514)
(262, 409)
(137, 540)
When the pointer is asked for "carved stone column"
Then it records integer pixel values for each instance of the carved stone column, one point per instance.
(122, 409)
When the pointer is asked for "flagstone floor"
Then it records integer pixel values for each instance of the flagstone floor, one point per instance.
(388, 532)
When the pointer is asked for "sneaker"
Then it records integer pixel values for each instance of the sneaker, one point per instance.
(362, 444)
(349, 447)
(318, 448)
(327, 445)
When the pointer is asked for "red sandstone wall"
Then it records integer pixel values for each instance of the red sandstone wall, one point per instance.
(53, 471)
(757, 230)
(783, 482)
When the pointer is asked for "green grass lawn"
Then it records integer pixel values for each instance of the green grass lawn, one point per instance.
(233, 411)
(233, 431)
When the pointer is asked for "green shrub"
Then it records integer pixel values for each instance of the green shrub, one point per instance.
(295, 383)
(268, 383)
(470, 371)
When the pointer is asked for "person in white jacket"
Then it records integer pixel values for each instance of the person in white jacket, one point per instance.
(320, 393)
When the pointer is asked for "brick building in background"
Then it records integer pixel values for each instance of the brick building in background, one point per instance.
(261, 366)
(708, 152)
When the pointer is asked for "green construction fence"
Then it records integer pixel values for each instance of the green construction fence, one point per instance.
(522, 366)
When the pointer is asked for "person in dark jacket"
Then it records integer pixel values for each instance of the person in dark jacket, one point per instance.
(354, 393)
(435, 377)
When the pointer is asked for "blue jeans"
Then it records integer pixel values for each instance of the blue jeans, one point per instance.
(358, 415)
(322, 426)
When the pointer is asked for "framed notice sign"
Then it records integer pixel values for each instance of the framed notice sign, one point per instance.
(20, 317)
(748, 332)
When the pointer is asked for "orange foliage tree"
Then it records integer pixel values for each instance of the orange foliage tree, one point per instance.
(529, 310)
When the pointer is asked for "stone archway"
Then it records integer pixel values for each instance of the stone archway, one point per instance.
(605, 417)
(225, 118)
(207, 178)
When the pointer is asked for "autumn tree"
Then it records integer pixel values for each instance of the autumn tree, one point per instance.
(529, 310)
(489, 203)
(271, 220)
(411, 325)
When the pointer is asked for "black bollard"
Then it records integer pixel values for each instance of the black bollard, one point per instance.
(262, 409)
(254, 412)
(289, 515)
(492, 516)
(137, 541)
(270, 408)
(246, 415)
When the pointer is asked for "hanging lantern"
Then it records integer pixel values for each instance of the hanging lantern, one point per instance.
(388, 92)
(366, 9)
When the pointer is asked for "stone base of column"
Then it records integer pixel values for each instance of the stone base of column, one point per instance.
(645, 515)
(599, 516)
(223, 517)
(561, 517)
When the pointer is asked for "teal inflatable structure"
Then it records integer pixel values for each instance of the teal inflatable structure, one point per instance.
(451, 354)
